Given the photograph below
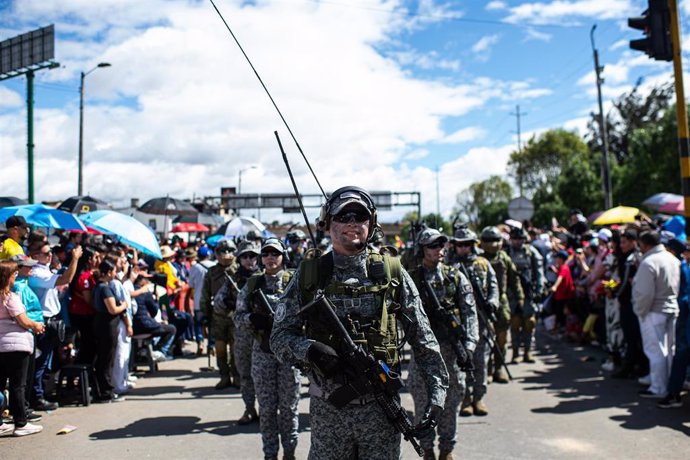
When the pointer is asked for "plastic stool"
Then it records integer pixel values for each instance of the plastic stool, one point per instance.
(142, 352)
(73, 384)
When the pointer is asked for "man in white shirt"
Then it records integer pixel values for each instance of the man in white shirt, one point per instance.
(45, 284)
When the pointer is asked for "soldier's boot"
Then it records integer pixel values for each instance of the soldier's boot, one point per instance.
(480, 408)
(516, 356)
(249, 416)
(224, 382)
(530, 324)
(445, 455)
(466, 409)
(528, 357)
(289, 455)
(270, 457)
(429, 454)
(501, 376)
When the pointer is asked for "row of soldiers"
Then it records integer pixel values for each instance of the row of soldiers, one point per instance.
(454, 305)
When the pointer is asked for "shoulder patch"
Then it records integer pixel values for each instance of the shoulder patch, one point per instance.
(281, 311)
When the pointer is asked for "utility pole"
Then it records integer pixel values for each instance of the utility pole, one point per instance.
(518, 115)
(681, 110)
(605, 176)
(438, 201)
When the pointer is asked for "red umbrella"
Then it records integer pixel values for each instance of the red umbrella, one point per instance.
(189, 227)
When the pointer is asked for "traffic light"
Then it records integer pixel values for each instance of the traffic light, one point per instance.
(655, 22)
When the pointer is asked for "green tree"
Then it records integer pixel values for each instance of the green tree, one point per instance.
(484, 203)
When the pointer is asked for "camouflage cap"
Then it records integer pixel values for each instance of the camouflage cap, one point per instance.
(248, 246)
(430, 236)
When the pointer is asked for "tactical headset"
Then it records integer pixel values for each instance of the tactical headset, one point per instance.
(324, 222)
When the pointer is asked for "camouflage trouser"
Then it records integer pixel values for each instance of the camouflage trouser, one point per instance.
(501, 327)
(355, 431)
(522, 332)
(481, 364)
(243, 357)
(277, 389)
(223, 331)
(447, 422)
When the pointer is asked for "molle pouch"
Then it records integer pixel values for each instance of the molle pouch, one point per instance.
(377, 271)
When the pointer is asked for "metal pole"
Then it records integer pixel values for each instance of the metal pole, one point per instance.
(239, 187)
(605, 176)
(438, 201)
(681, 110)
(30, 132)
(80, 177)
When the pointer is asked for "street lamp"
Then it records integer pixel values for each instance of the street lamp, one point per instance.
(80, 180)
(239, 181)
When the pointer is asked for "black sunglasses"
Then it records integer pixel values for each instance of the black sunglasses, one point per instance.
(436, 245)
(249, 255)
(464, 244)
(356, 217)
(271, 254)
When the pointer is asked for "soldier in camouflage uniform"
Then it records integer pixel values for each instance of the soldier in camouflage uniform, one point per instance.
(371, 293)
(296, 240)
(454, 293)
(508, 286)
(248, 255)
(277, 384)
(530, 266)
(218, 313)
(483, 278)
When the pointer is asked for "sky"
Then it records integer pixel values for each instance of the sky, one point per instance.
(388, 95)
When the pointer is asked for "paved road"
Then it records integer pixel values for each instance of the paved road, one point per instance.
(561, 407)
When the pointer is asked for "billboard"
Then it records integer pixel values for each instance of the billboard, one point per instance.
(27, 50)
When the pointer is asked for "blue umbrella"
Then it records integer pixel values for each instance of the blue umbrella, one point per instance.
(43, 216)
(662, 199)
(127, 228)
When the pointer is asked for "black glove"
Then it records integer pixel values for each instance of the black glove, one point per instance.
(260, 322)
(428, 422)
(324, 358)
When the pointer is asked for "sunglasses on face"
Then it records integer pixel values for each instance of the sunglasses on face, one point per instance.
(436, 245)
(225, 251)
(356, 217)
(464, 244)
(271, 254)
(248, 256)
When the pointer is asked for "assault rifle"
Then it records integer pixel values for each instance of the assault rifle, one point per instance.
(265, 310)
(454, 331)
(370, 377)
(482, 310)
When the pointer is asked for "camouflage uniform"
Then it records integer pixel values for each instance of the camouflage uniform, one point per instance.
(530, 266)
(277, 384)
(360, 429)
(242, 350)
(453, 290)
(508, 283)
(220, 309)
(484, 276)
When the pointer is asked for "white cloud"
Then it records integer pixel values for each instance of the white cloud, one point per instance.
(496, 5)
(471, 133)
(568, 12)
(417, 154)
(484, 45)
(534, 34)
(9, 98)
(427, 61)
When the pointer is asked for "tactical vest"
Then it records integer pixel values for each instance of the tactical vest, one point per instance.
(254, 283)
(378, 335)
(478, 269)
(522, 258)
(446, 292)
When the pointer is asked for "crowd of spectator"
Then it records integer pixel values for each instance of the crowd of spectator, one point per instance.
(79, 298)
(623, 288)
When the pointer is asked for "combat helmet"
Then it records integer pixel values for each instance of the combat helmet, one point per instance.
(491, 239)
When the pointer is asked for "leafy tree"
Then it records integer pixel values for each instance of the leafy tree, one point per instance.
(630, 112)
(484, 203)
(543, 158)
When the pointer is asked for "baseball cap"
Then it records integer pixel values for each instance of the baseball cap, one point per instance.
(248, 246)
(273, 243)
(204, 251)
(604, 234)
(429, 236)
(348, 198)
(16, 221)
(23, 261)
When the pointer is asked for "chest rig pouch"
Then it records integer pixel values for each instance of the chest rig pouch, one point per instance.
(446, 289)
(376, 330)
(254, 283)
